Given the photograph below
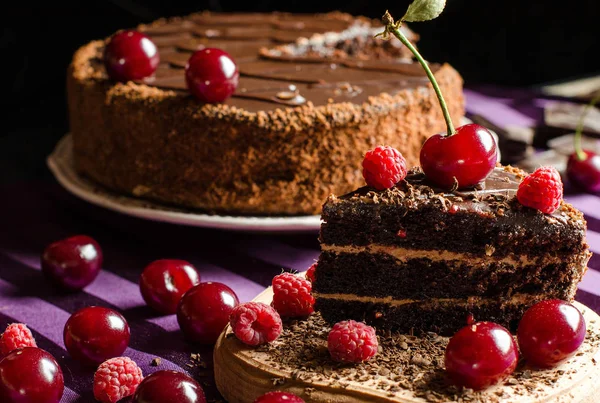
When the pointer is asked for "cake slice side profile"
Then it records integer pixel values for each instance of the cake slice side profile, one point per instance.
(414, 257)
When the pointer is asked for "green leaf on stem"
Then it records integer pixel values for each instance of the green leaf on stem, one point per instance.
(424, 10)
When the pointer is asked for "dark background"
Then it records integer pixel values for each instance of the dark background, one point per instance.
(503, 42)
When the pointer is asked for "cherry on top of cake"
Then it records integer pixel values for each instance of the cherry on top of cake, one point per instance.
(464, 157)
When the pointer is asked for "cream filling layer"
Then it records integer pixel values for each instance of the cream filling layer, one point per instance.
(516, 299)
(404, 254)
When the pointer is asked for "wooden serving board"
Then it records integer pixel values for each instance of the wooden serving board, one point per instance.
(243, 373)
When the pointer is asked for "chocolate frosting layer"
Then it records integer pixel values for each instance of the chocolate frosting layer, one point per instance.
(289, 60)
(495, 194)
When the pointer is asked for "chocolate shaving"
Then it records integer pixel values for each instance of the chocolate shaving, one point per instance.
(454, 184)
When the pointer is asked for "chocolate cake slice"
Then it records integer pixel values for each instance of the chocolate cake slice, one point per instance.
(414, 257)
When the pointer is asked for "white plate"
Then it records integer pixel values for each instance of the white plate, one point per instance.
(61, 164)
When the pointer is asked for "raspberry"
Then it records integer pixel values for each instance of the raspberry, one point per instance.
(255, 323)
(291, 295)
(542, 190)
(278, 397)
(310, 273)
(115, 379)
(351, 341)
(15, 336)
(383, 167)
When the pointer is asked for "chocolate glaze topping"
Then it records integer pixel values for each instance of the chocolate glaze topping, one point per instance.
(503, 181)
(288, 60)
(495, 195)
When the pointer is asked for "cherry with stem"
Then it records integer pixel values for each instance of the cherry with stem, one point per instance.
(394, 29)
(583, 166)
(460, 158)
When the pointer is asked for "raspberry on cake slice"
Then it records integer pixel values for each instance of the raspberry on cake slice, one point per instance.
(542, 190)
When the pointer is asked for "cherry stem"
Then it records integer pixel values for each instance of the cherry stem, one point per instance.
(394, 29)
(581, 156)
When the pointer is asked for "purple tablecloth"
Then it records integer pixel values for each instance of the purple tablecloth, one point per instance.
(33, 214)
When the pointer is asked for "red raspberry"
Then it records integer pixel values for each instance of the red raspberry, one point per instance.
(15, 336)
(115, 379)
(278, 397)
(542, 190)
(255, 323)
(291, 295)
(383, 167)
(310, 273)
(351, 341)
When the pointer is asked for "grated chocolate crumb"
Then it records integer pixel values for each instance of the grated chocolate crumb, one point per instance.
(404, 362)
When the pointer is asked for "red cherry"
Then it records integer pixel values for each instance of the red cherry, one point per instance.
(30, 375)
(130, 55)
(469, 155)
(211, 75)
(168, 386)
(278, 397)
(163, 283)
(72, 263)
(94, 334)
(480, 355)
(204, 310)
(549, 332)
(585, 173)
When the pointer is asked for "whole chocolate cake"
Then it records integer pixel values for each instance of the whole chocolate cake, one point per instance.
(315, 91)
(414, 257)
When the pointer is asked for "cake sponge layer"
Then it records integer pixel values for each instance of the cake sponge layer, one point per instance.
(458, 276)
(443, 316)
